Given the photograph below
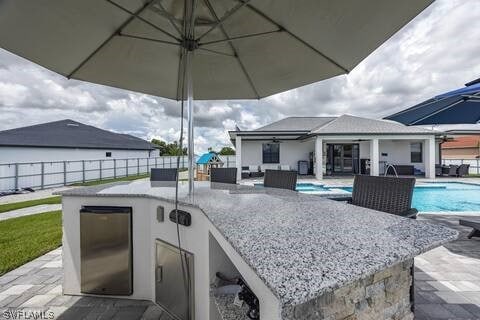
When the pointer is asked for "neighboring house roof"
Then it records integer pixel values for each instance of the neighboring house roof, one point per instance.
(462, 142)
(208, 157)
(70, 134)
(296, 124)
(346, 125)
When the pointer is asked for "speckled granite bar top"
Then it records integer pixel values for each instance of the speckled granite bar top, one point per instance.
(300, 245)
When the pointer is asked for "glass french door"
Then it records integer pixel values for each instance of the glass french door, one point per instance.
(344, 158)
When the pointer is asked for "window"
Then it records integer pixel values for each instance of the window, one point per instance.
(271, 152)
(416, 152)
(108, 154)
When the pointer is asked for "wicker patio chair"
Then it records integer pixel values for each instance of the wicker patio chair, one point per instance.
(223, 175)
(387, 194)
(157, 174)
(463, 170)
(452, 170)
(282, 179)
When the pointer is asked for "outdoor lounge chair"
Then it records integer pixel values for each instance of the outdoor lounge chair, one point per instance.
(472, 224)
(463, 170)
(280, 179)
(452, 170)
(255, 172)
(387, 194)
(223, 175)
(157, 174)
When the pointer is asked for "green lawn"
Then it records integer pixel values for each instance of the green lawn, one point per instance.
(26, 238)
(97, 182)
(29, 203)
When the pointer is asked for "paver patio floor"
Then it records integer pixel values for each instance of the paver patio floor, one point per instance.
(447, 286)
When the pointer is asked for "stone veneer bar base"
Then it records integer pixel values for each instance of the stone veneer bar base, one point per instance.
(384, 295)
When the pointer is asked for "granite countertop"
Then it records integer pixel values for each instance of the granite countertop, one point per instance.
(300, 245)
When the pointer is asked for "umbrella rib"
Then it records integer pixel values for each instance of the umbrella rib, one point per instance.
(217, 52)
(225, 17)
(169, 17)
(242, 66)
(117, 31)
(240, 37)
(136, 15)
(147, 39)
(266, 17)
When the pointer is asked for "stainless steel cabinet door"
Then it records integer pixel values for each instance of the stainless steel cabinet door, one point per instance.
(106, 255)
(174, 285)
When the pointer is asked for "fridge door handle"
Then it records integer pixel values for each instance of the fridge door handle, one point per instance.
(159, 273)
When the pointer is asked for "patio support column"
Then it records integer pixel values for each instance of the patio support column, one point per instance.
(238, 156)
(318, 158)
(374, 157)
(429, 158)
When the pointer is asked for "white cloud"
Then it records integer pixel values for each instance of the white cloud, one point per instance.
(436, 52)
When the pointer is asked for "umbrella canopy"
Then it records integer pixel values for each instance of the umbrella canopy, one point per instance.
(461, 106)
(243, 49)
(203, 49)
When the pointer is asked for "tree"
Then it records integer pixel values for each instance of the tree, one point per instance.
(227, 151)
(168, 149)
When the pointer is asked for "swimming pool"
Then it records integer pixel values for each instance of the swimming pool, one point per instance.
(447, 196)
(432, 197)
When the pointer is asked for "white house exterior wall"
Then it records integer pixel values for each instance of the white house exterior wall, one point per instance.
(290, 152)
(31, 154)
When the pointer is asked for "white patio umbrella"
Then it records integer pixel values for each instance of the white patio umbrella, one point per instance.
(202, 49)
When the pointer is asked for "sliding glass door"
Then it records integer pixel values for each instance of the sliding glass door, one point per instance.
(343, 158)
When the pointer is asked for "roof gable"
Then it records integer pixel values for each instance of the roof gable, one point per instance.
(210, 157)
(347, 124)
(70, 134)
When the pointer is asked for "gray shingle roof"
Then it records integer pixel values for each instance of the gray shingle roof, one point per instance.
(347, 124)
(296, 124)
(70, 134)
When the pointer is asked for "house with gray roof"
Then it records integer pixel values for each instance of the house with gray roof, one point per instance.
(335, 146)
(68, 140)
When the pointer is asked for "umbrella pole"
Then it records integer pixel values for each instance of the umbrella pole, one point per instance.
(191, 153)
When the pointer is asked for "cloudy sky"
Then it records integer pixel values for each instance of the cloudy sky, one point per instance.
(438, 51)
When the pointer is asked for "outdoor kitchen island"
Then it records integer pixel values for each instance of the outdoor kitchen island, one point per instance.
(304, 257)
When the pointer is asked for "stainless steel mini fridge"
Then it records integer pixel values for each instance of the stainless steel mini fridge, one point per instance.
(106, 250)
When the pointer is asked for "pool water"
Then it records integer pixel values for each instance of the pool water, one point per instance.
(449, 196)
(306, 187)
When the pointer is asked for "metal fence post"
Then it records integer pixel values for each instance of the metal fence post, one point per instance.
(148, 165)
(83, 171)
(42, 175)
(170, 162)
(16, 176)
(163, 162)
(64, 173)
(156, 162)
(115, 168)
(126, 167)
(228, 162)
(138, 166)
(100, 169)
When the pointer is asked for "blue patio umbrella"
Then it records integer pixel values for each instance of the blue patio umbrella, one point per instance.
(460, 106)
